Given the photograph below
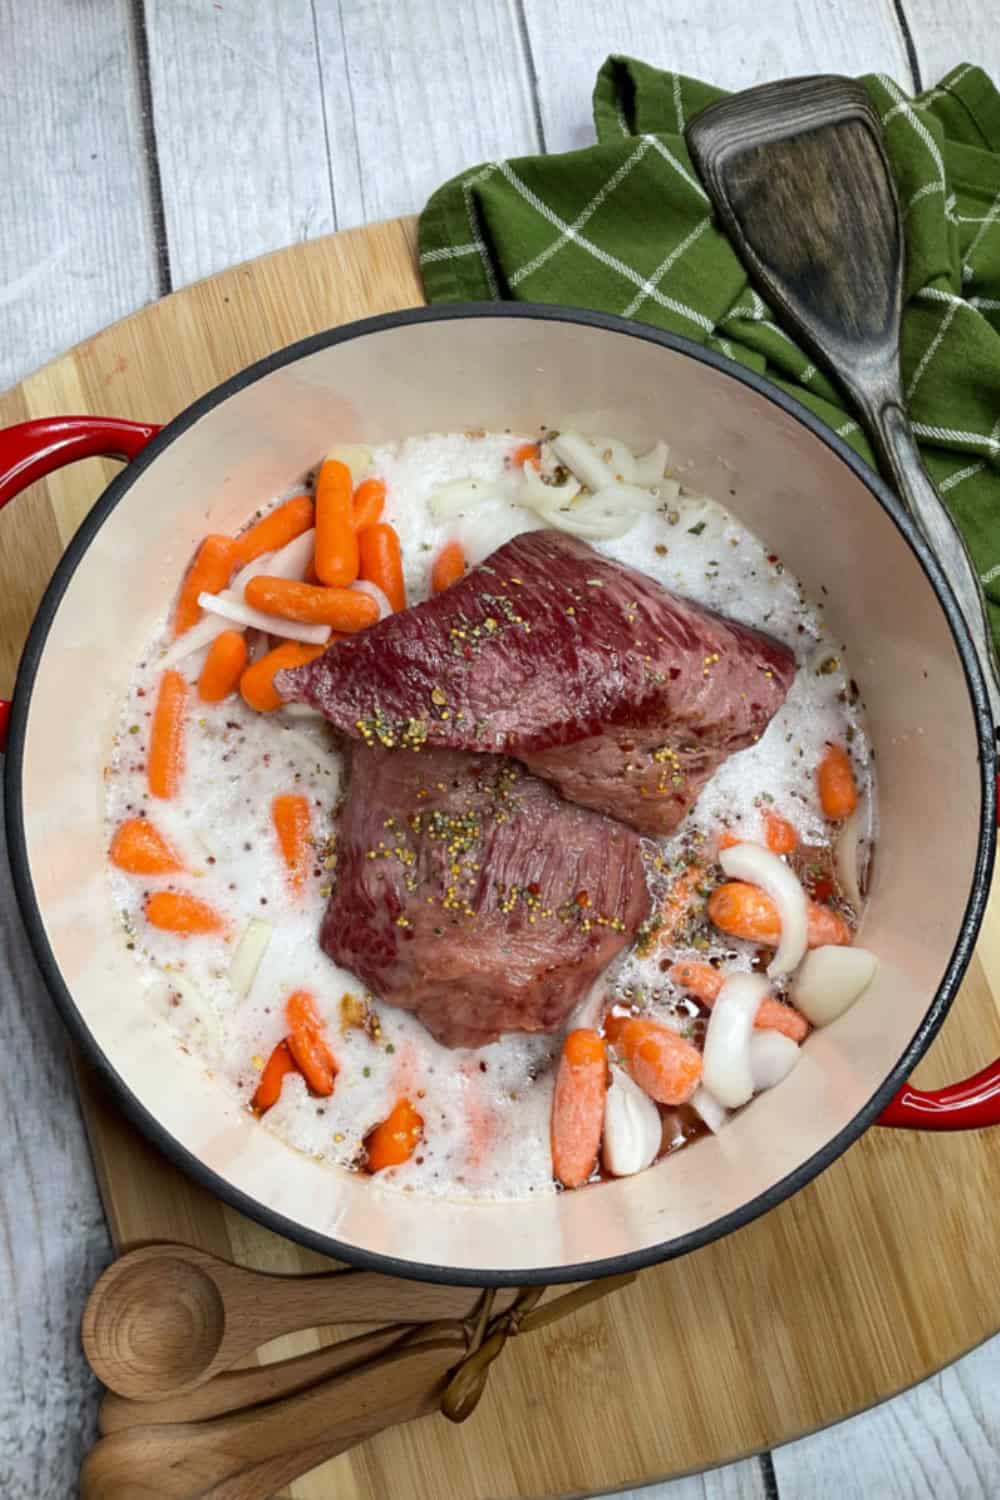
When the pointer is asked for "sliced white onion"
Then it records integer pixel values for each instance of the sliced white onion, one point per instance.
(666, 491)
(632, 1129)
(619, 459)
(727, 1072)
(754, 863)
(362, 586)
(610, 513)
(250, 570)
(195, 1010)
(649, 469)
(582, 460)
(588, 528)
(246, 960)
(460, 495)
(848, 855)
(356, 456)
(712, 1113)
(204, 631)
(772, 1058)
(199, 635)
(534, 492)
(292, 560)
(231, 608)
(830, 980)
(629, 496)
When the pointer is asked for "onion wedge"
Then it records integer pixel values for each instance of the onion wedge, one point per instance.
(712, 1113)
(772, 1058)
(830, 980)
(632, 1129)
(728, 1075)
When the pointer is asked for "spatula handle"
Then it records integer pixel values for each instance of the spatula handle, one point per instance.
(900, 457)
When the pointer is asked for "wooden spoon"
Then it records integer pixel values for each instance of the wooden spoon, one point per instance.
(251, 1455)
(237, 1390)
(798, 173)
(166, 1318)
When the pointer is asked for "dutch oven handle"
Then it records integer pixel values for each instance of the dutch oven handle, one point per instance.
(30, 450)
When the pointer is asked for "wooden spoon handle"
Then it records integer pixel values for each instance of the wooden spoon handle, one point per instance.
(242, 1388)
(266, 1479)
(284, 1304)
(194, 1460)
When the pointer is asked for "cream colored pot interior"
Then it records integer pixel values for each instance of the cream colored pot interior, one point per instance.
(513, 373)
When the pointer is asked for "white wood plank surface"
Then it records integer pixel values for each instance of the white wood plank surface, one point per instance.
(276, 120)
(940, 1441)
(733, 43)
(944, 35)
(238, 121)
(431, 87)
(76, 246)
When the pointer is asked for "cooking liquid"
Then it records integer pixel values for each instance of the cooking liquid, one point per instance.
(485, 1111)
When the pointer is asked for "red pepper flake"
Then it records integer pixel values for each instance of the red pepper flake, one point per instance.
(534, 889)
(582, 898)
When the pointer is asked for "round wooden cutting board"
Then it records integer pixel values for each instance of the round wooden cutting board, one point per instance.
(871, 1278)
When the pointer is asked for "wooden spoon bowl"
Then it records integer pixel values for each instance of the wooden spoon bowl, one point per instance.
(165, 1328)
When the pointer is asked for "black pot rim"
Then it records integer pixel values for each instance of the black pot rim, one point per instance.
(205, 1176)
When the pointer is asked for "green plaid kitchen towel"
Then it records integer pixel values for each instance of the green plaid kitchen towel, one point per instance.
(625, 226)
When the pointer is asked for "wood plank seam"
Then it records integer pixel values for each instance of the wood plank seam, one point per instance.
(151, 156)
(528, 62)
(353, 113)
(908, 42)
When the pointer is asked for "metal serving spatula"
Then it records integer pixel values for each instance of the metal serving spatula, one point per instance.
(798, 174)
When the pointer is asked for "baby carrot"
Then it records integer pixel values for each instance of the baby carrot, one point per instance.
(578, 1107)
(369, 498)
(382, 562)
(165, 757)
(336, 560)
(268, 1092)
(138, 848)
(527, 453)
(664, 1065)
(275, 530)
(344, 609)
(705, 982)
(290, 815)
(213, 563)
(838, 792)
(308, 1045)
(679, 903)
(744, 911)
(227, 656)
(449, 565)
(176, 911)
(257, 682)
(396, 1139)
(779, 834)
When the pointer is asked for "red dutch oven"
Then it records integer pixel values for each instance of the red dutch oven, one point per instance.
(515, 366)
